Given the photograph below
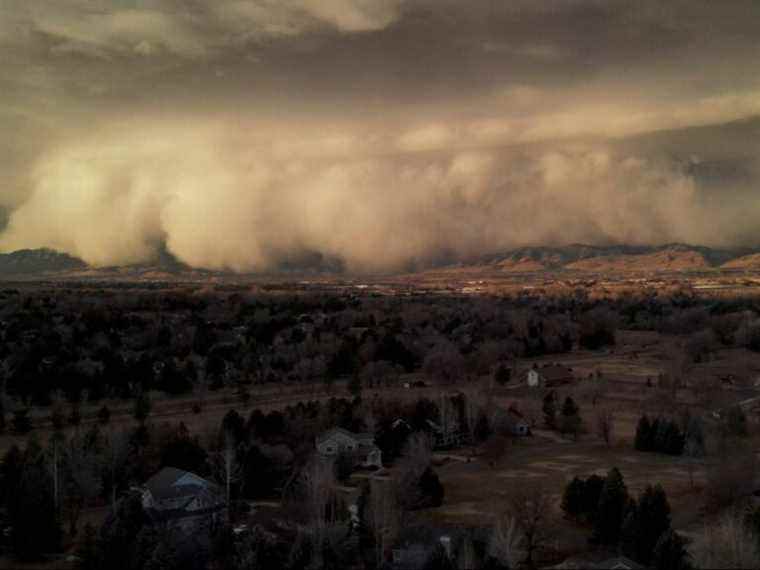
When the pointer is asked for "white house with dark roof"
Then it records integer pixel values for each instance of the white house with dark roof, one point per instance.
(361, 445)
(549, 376)
(183, 500)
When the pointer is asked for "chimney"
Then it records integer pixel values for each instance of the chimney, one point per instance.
(446, 544)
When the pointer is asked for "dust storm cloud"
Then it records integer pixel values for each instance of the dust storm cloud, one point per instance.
(113, 199)
(387, 134)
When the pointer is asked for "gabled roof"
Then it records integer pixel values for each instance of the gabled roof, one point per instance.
(171, 483)
(617, 563)
(358, 437)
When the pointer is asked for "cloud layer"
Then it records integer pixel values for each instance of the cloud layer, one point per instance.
(384, 133)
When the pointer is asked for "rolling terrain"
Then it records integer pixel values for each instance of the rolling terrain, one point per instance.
(570, 259)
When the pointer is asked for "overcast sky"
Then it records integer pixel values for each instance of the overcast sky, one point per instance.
(383, 133)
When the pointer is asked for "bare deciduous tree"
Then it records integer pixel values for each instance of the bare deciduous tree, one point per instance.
(729, 544)
(605, 425)
(384, 515)
(225, 466)
(532, 508)
(447, 418)
(318, 485)
(117, 449)
(444, 363)
(731, 474)
(83, 483)
(506, 542)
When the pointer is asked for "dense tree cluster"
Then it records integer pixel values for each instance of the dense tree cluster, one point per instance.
(661, 435)
(640, 528)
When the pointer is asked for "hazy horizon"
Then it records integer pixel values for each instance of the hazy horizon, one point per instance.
(379, 133)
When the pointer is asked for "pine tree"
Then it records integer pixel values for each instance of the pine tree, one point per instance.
(502, 375)
(572, 498)
(355, 385)
(695, 437)
(653, 515)
(661, 434)
(736, 422)
(674, 441)
(550, 409)
(141, 409)
(592, 490)
(104, 415)
(643, 437)
(571, 421)
(670, 553)
(630, 532)
(613, 502)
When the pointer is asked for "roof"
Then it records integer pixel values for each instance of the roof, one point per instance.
(171, 483)
(555, 372)
(617, 563)
(359, 437)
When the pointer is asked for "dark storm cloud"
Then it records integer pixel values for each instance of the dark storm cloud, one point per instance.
(406, 127)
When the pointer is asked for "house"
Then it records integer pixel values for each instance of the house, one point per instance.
(415, 552)
(361, 445)
(446, 437)
(549, 376)
(617, 563)
(516, 423)
(183, 500)
(510, 420)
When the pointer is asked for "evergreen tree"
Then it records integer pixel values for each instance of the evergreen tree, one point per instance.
(104, 415)
(674, 440)
(550, 409)
(142, 406)
(695, 437)
(32, 514)
(430, 489)
(21, 421)
(661, 434)
(645, 524)
(670, 553)
(643, 434)
(572, 498)
(652, 440)
(654, 520)
(355, 385)
(75, 415)
(502, 375)
(88, 553)
(736, 422)
(118, 538)
(613, 502)
(630, 531)
(571, 420)
(592, 490)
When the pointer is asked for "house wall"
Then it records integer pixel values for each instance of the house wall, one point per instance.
(336, 443)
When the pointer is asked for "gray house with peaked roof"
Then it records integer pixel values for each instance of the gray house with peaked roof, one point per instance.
(360, 445)
(183, 500)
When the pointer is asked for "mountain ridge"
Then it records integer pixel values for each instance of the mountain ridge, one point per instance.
(527, 259)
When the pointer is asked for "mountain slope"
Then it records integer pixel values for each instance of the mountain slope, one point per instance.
(613, 258)
(37, 261)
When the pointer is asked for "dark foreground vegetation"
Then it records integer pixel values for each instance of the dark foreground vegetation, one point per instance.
(71, 357)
